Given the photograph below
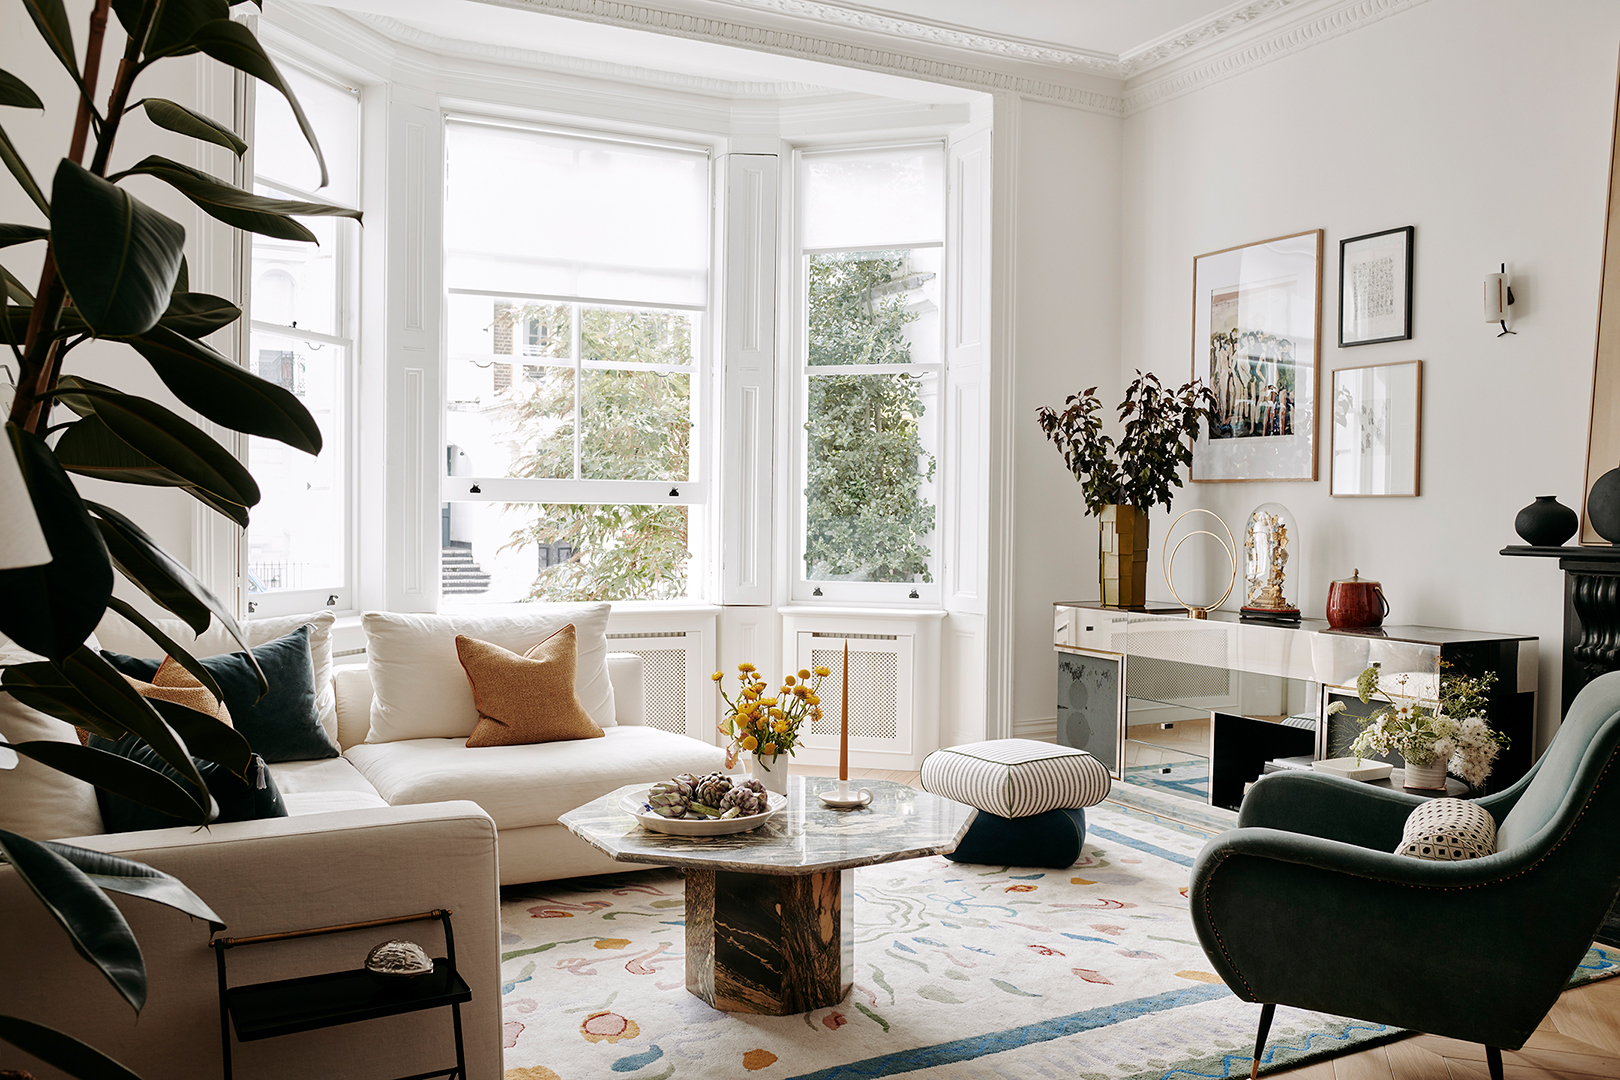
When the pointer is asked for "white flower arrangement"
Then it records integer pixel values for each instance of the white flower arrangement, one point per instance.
(1424, 730)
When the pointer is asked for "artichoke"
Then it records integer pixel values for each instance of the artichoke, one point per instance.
(744, 800)
(711, 789)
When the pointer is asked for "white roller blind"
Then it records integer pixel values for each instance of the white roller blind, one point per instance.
(878, 197)
(280, 152)
(538, 213)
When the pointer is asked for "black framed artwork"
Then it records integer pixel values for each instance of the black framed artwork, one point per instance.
(1375, 287)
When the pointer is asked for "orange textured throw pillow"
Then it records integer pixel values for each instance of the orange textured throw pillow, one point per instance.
(525, 699)
(174, 683)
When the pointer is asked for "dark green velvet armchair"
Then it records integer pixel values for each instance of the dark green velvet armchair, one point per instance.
(1304, 904)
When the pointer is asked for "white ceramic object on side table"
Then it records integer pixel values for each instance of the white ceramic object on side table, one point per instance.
(842, 798)
(773, 779)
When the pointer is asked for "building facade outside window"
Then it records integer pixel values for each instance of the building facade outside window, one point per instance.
(301, 535)
(871, 231)
(577, 296)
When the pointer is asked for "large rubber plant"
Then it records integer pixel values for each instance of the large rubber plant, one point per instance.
(113, 270)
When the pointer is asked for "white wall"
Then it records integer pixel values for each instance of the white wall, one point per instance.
(1484, 123)
(1066, 321)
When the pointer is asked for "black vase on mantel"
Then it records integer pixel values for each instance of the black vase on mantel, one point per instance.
(1603, 506)
(1546, 522)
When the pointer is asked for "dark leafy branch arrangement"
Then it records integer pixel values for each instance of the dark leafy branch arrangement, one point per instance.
(113, 269)
(1160, 427)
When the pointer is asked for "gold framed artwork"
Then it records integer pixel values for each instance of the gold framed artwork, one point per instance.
(1603, 436)
(1377, 439)
(1257, 344)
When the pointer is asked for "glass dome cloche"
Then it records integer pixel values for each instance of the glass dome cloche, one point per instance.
(1271, 565)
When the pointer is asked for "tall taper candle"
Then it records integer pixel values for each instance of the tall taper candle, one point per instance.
(843, 735)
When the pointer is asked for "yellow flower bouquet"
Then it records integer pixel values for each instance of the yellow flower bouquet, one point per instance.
(768, 725)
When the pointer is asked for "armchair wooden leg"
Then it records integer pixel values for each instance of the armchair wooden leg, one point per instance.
(1493, 1061)
(1267, 1011)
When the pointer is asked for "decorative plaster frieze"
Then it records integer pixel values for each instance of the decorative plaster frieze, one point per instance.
(1199, 35)
(1321, 26)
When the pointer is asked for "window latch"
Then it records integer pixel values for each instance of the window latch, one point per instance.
(914, 595)
(331, 601)
(817, 592)
(475, 490)
(674, 493)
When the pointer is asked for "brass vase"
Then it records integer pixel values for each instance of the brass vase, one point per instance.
(1123, 555)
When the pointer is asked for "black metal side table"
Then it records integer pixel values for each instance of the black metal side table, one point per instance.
(285, 1006)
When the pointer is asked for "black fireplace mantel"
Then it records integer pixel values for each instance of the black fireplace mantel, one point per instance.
(1591, 611)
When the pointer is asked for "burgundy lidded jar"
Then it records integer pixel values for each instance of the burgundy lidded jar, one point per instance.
(1354, 603)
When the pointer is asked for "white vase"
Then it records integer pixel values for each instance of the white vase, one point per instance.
(774, 778)
(1431, 777)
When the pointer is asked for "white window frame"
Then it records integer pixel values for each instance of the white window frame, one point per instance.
(802, 588)
(343, 599)
(695, 491)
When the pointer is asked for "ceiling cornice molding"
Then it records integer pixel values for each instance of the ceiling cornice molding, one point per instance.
(1313, 24)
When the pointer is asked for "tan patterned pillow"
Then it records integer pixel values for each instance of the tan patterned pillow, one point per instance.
(525, 699)
(1444, 830)
(174, 683)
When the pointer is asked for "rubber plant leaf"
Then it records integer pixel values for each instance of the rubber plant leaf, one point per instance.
(93, 923)
(131, 878)
(227, 393)
(232, 205)
(107, 690)
(117, 257)
(207, 737)
(50, 17)
(164, 437)
(15, 92)
(177, 118)
(234, 44)
(42, 686)
(62, 1051)
(21, 234)
(112, 772)
(171, 649)
(15, 290)
(177, 20)
(51, 609)
(166, 581)
(196, 315)
(89, 448)
(19, 169)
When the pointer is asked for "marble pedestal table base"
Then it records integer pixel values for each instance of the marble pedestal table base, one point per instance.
(770, 943)
(770, 914)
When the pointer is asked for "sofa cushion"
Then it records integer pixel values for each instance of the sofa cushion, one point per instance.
(524, 699)
(1016, 777)
(421, 690)
(284, 724)
(329, 802)
(252, 800)
(175, 684)
(120, 635)
(331, 774)
(530, 785)
(36, 800)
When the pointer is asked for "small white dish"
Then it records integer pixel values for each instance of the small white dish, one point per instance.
(636, 806)
(842, 798)
(1351, 769)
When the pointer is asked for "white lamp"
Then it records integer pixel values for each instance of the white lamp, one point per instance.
(22, 541)
(1498, 297)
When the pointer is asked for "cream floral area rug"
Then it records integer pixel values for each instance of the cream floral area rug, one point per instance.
(963, 972)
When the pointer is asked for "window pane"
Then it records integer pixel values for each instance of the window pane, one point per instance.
(504, 553)
(560, 215)
(280, 151)
(867, 514)
(296, 282)
(876, 197)
(637, 421)
(510, 389)
(874, 307)
(296, 535)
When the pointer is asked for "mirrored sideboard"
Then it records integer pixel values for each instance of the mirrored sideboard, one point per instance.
(1145, 690)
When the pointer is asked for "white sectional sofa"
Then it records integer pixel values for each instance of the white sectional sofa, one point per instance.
(391, 827)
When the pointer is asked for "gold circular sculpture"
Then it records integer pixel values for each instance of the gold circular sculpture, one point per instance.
(1195, 611)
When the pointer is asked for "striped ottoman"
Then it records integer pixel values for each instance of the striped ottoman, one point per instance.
(1030, 797)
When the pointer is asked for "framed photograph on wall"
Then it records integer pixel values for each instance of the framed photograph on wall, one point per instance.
(1257, 343)
(1377, 430)
(1375, 287)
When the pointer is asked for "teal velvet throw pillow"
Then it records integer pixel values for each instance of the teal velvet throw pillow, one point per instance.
(238, 801)
(284, 725)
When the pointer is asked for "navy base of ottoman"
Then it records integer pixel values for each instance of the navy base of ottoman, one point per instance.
(1052, 840)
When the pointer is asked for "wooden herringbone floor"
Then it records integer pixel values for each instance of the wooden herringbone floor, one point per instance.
(1579, 1040)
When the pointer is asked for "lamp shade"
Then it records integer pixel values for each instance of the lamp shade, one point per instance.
(22, 541)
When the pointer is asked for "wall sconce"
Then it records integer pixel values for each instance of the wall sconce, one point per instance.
(1498, 297)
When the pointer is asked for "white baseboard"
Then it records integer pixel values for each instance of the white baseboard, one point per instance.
(1041, 729)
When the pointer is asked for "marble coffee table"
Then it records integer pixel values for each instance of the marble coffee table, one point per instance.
(770, 914)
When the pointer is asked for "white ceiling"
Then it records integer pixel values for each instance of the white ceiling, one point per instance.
(1110, 28)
